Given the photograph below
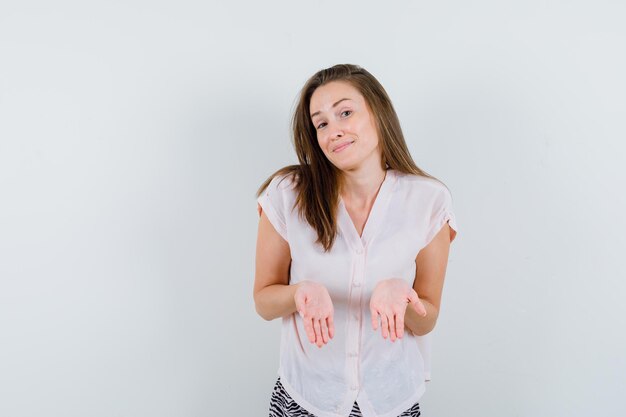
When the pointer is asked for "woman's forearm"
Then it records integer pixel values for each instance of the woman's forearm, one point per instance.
(417, 324)
(276, 301)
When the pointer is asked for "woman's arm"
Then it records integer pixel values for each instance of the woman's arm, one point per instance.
(273, 296)
(431, 263)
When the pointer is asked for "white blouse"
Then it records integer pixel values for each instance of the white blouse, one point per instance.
(385, 378)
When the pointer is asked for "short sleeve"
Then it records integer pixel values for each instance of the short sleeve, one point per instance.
(272, 202)
(442, 212)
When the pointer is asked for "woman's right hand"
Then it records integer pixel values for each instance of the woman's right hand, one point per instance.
(316, 309)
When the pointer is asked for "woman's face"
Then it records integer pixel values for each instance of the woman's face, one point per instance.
(345, 128)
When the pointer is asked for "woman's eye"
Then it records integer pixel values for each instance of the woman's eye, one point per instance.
(320, 125)
(346, 111)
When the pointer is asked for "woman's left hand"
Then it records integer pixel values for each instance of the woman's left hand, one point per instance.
(389, 301)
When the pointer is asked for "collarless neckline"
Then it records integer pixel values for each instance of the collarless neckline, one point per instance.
(372, 224)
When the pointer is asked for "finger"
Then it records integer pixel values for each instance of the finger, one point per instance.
(308, 327)
(331, 326)
(325, 337)
(392, 327)
(417, 304)
(419, 308)
(384, 325)
(374, 315)
(318, 332)
(400, 325)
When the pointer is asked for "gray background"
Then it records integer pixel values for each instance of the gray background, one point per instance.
(133, 136)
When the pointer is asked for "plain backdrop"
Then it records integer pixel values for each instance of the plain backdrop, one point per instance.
(134, 135)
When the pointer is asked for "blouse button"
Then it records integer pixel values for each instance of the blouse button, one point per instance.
(354, 387)
(359, 250)
(356, 284)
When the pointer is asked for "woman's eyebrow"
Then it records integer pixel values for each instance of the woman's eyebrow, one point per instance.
(339, 101)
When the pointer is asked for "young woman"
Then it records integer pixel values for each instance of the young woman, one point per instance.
(352, 251)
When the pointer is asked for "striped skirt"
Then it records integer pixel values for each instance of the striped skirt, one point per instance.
(282, 405)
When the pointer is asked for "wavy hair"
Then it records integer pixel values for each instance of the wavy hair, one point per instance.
(316, 179)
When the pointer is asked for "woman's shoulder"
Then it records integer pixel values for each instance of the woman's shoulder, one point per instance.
(281, 180)
(416, 182)
(285, 182)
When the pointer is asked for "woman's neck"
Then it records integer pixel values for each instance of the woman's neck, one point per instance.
(359, 189)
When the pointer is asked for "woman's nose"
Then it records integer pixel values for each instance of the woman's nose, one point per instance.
(337, 132)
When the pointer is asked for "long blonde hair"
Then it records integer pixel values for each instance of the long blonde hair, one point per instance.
(316, 179)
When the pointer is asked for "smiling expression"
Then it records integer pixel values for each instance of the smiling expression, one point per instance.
(345, 128)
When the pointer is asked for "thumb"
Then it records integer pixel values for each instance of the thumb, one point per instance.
(374, 315)
(300, 307)
(300, 300)
(417, 305)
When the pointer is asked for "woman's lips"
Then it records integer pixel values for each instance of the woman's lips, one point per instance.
(341, 148)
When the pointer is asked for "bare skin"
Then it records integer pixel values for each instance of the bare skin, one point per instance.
(316, 309)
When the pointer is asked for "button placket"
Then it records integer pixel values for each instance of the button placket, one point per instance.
(359, 268)
(354, 306)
